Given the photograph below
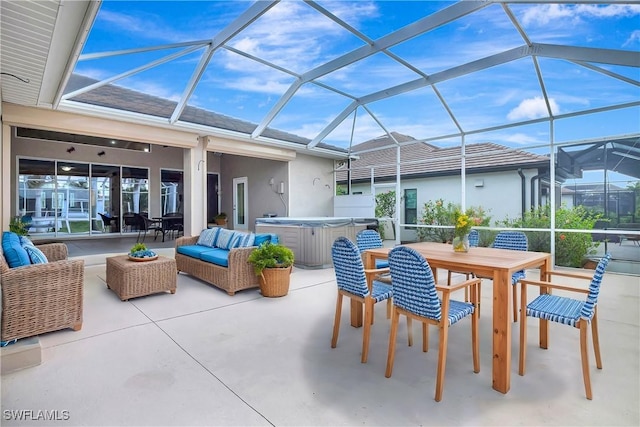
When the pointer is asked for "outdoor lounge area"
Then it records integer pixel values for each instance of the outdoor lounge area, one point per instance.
(201, 357)
(221, 125)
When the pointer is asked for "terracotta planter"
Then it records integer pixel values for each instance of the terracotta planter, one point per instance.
(274, 282)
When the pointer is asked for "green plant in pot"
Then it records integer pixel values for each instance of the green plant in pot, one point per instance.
(221, 218)
(272, 263)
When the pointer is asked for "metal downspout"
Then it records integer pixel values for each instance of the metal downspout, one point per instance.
(524, 191)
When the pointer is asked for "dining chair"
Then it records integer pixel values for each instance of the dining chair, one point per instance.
(415, 295)
(357, 284)
(107, 221)
(474, 240)
(370, 239)
(516, 241)
(146, 224)
(567, 311)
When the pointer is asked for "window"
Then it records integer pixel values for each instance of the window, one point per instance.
(411, 206)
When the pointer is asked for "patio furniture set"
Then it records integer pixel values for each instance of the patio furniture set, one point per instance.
(414, 293)
(44, 292)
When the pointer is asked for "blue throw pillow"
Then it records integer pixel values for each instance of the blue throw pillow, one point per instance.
(35, 254)
(14, 253)
(261, 238)
(244, 240)
(208, 237)
(225, 239)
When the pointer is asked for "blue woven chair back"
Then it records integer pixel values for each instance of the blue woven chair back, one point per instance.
(368, 239)
(514, 240)
(414, 288)
(347, 263)
(474, 238)
(594, 288)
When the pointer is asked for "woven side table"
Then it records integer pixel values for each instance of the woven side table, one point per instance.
(130, 279)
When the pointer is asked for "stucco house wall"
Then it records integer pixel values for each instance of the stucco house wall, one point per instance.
(311, 186)
(500, 193)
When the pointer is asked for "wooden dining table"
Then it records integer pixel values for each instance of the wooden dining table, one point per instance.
(499, 264)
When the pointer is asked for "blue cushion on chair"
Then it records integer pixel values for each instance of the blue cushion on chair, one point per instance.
(14, 253)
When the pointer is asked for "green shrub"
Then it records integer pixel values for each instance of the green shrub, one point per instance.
(571, 248)
(440, 213)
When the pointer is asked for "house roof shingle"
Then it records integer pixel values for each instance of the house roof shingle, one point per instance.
(421, 159)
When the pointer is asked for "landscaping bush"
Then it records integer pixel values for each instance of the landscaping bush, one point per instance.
(571, 248)
(440, 213)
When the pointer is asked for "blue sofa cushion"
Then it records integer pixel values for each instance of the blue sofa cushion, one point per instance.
(193, 251)
(14, 253)
(208, 237)
(225, 239)
(216, 256)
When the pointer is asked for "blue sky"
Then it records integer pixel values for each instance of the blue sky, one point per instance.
(295, 36)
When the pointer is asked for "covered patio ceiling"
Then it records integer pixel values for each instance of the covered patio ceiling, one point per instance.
(339, 73)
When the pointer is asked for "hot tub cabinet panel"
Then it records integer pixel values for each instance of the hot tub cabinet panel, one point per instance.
(311, 239)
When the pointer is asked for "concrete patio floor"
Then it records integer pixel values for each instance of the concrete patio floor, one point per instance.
(201, 357)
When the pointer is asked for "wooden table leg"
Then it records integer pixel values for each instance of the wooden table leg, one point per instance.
(501, 331)
(544, 324)
(356, 314)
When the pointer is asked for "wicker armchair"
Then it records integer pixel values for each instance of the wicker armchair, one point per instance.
(41, 298)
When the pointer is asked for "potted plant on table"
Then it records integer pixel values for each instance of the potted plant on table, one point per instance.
(272, 263)
(461, 232)
(139, 252)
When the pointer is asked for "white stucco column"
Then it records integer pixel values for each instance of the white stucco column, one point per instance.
(195, 188)
(5, 172)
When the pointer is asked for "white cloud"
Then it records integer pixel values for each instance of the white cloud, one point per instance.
(634, 38)
(533, 108)
(544, 14)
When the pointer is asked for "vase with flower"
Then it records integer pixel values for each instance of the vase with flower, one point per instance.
(461, 232)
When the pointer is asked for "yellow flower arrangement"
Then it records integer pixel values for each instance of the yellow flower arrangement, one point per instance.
(463, 224)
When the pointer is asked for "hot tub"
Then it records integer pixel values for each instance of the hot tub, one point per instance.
(311, 238)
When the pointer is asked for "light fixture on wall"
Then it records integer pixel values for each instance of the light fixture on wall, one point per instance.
(101, 153)
(71, 149)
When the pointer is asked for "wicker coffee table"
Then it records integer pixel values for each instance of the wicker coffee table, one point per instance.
(130, 279)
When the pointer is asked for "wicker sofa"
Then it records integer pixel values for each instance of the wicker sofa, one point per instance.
(226, 269)
(41, 298)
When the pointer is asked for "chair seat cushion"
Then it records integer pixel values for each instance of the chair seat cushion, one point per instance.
(382, 263)
(216, 256)
(555, 308)
(458, 310)
(381, 291)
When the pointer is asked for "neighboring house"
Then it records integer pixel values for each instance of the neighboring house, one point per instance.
(504, 181)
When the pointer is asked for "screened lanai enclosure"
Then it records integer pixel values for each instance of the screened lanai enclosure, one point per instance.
(526, 113)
